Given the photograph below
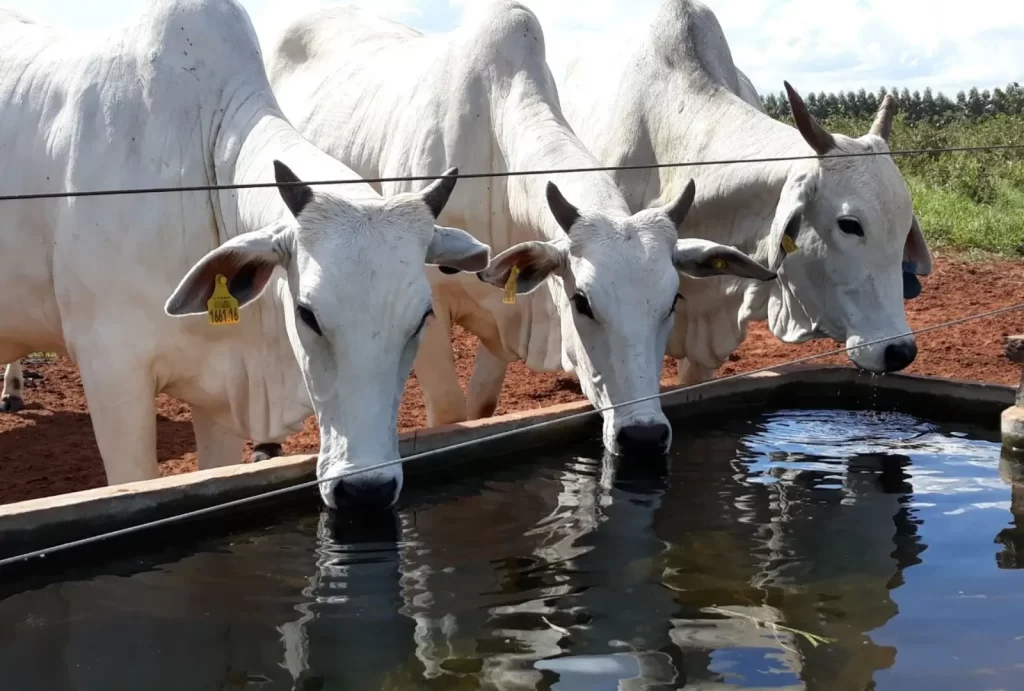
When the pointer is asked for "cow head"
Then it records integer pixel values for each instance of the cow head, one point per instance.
(859, 243)
(356, 304)
(616, 284)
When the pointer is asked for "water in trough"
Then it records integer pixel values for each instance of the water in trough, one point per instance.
(783, 550)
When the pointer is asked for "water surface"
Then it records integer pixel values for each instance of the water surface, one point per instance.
(789, 550)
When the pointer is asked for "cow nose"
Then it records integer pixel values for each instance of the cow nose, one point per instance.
(365, 496)
(899, 355)
(643, 438)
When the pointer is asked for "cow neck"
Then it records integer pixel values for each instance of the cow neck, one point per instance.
(735, 202)
(533, 136)
(250, 137)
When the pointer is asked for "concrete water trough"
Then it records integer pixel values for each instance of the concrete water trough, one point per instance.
(43, 523)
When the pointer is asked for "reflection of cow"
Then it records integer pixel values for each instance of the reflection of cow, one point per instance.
(585, 564)
(347, 631)
(816, 560)
(562, 569)
(506, 604)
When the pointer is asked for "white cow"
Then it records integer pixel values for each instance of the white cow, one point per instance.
(180, 97)
(390, 101)
(747, 91)
(675, 95)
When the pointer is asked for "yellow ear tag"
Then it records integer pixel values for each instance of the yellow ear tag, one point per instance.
(510, 287)
(222, 308)
(718, 264)
(789, 245)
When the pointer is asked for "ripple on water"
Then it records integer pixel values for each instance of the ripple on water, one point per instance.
(830, 443)
(881, 532)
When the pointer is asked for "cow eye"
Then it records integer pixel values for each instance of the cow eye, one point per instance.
(309, 319)
(851, 226)
(582, 304)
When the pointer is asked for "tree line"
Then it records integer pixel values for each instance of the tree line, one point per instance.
(973, 105)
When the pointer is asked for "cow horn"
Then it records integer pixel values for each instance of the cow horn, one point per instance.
(814, 134)
(882, 126)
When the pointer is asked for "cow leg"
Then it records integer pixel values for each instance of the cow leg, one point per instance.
(690, 373)
(10, 400)
(216, 446)
(485, 384)
(435, 371)
(122, 406)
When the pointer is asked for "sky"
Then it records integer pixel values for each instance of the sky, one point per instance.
(945, 44)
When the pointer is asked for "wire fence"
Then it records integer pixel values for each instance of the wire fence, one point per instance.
(237, 503)
(516, 173)
(41, 553)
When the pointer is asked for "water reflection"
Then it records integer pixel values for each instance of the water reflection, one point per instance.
(346, 630)
(668, 575)
(204, 622)
(1012, 537)
(718, 567)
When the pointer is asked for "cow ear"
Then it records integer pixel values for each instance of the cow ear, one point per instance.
(246, 261)
(797, 193)
(917, 261)
(916, 251)
(702, 258)
(535, 260)
(456, 250)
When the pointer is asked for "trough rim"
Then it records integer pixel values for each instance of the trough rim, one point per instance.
(98, 510)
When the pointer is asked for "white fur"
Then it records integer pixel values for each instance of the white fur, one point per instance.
(389, 101)
(675, 95)
(180, 97)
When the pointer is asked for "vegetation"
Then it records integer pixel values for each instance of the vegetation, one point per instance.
(916, 107)
(967, 200)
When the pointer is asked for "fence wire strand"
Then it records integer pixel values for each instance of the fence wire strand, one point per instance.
(169, 520)
(506, 174)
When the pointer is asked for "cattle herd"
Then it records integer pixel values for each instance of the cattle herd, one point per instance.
(343, 289)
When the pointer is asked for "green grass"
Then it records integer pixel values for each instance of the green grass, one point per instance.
(969, 202)
(952, 219)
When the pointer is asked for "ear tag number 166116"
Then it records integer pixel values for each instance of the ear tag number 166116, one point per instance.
(222, 307)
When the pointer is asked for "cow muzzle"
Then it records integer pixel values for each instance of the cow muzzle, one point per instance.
(651, 438)
(884, 357)
(362, 493)
(355, 495)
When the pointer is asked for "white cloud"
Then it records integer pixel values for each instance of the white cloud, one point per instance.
(816, 45)
(946, 44)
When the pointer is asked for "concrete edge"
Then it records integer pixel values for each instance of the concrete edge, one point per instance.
(43, 522)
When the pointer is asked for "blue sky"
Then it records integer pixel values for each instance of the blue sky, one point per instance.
(946, 44)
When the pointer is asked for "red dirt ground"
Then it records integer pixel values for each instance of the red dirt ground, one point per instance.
(49, 447)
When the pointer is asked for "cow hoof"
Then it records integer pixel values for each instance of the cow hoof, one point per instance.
(264, 452)
(11, 404)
